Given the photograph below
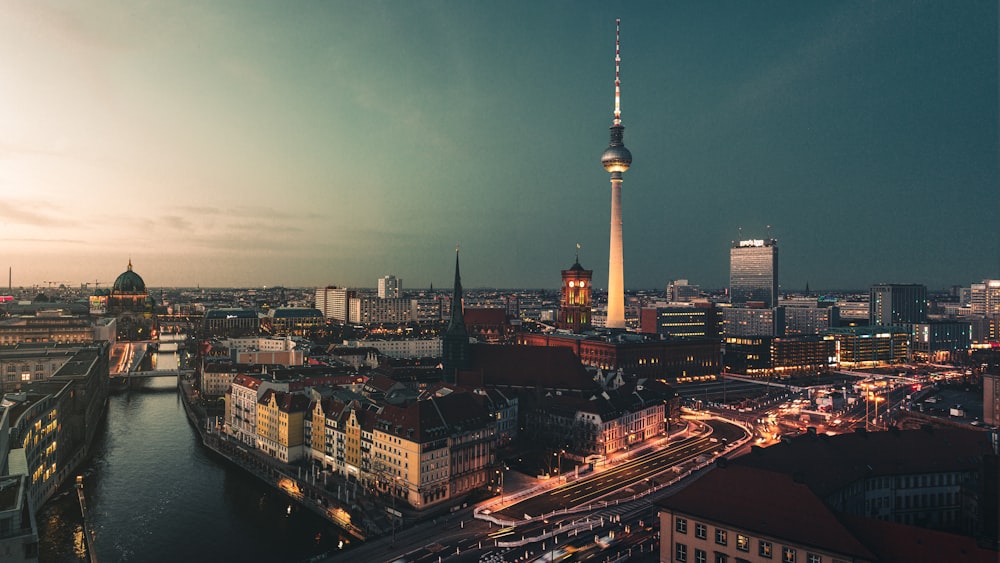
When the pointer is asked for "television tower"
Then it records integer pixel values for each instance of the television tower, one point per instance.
(616, 159)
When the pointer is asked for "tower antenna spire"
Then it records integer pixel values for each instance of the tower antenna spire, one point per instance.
(618, 79)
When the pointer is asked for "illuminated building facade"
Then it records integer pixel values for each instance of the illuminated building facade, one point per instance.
(741, 321)
(575, 304)
(52, 423)
(280, 425)
(753, 272)
(872, 345)
(425, 453)
(681, 322)
(984, 298)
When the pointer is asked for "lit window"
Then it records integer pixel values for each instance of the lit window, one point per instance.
(742, 542)
(720, 536)
(764, 549)
(787, 555)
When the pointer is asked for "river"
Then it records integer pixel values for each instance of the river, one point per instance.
(155, 494)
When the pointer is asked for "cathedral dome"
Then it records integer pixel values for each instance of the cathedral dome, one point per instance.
(129, 282)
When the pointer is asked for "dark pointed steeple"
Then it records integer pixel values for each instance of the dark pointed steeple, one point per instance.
(455, 347)
(457, 309)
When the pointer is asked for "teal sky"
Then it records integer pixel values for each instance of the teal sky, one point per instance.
(311, 143)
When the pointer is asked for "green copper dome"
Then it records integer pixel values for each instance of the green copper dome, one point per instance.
(129, 282)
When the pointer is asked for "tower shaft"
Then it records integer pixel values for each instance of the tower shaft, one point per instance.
(616, 276)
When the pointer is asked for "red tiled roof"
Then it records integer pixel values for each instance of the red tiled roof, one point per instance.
(434, 417)
(766, 503)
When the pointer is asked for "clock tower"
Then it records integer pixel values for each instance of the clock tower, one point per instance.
(574, 309)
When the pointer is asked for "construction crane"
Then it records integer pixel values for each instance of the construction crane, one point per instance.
(95, 283)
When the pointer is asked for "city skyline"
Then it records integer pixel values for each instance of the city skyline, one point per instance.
(244, 144)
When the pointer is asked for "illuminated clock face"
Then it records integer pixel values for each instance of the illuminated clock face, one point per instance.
(572, 284)
(583, 283)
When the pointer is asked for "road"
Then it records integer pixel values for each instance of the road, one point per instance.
(632, 473)
(459, 537)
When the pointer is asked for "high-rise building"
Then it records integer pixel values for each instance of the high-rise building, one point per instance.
(574, 309)
(335, 302)
(984, 298)
(753, 272)
(616, 160)
(893, 304)
(681, 291)
(389, 287)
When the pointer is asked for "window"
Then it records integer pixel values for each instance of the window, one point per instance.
(721, 557)
(720, 536)
(700, 531)
(681, 526)
(742, 542)
(813, 558)
(764, 549)
(700, 556)
(787, 555)
(680, 552)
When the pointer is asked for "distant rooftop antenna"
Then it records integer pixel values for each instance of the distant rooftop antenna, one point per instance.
(618, 81)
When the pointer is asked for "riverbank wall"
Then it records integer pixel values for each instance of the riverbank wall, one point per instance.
(307, 490)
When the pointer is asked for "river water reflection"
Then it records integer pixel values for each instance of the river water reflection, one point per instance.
(155, 494)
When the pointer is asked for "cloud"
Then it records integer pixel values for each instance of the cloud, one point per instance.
(40, 214)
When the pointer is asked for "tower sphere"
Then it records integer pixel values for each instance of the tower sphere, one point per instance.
(616, 158)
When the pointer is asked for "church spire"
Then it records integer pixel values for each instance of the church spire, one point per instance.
(457, 312)
(456, 351)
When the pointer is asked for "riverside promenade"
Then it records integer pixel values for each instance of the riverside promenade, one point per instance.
(337, 501)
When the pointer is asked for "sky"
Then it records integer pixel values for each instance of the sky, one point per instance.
(247, 144)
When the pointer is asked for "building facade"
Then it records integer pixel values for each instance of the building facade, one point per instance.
(335, 302)
(871, 345)
(575, 301)
(742, 321)
(753, 272)
(893, 304)
(390, 287)
(694, 320)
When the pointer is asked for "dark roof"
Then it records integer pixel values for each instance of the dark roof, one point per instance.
(547, 367)
(231, 313)
(867, 454)
(295, 313)
(767, 503)
(897, 542)
(487, 316)
(287, 402)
